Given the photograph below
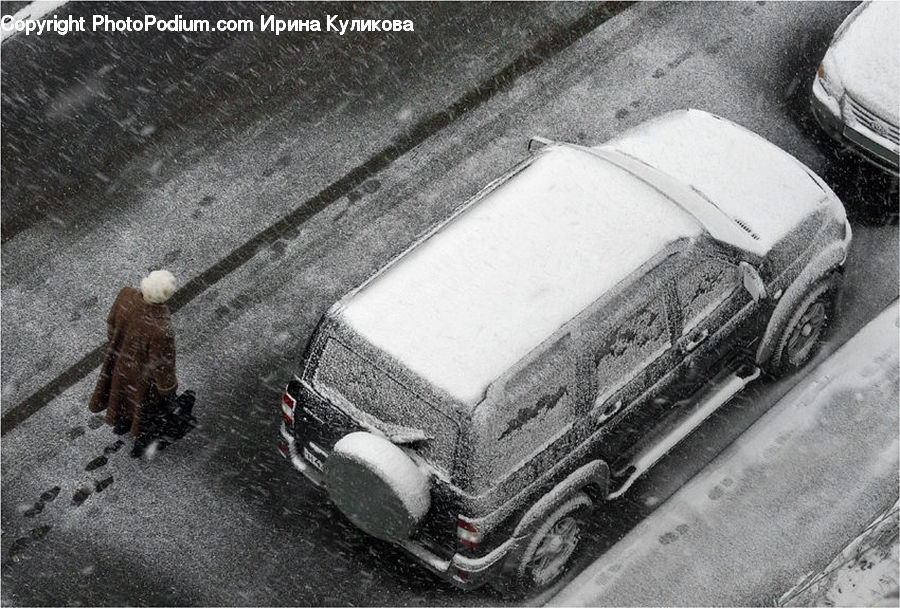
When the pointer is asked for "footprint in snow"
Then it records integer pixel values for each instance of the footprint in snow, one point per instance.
(80, 496)
(96, 463)
(51, 494)
(103, 484)
(74, 432)
(46, 497)
(21, 543)
(35, 509)
(114, 447)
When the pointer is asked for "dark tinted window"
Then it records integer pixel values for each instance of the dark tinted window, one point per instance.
(702, 285)
(627, 348)
(536, 407)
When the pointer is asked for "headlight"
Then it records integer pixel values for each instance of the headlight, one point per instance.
(828, 78)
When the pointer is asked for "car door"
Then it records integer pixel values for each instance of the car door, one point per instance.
(629, 355)
(712, 310)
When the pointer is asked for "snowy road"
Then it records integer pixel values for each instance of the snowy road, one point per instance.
(219, 518)
(293, 134)
(775, 504)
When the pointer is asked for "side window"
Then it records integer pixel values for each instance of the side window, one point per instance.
(626, 349)
(535, 408)
(704, 284)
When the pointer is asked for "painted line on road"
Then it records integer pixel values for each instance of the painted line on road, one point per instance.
(541, 51)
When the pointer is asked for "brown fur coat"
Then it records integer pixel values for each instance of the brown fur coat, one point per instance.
(140, 360)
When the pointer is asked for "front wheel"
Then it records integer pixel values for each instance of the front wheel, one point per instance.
(802, 336)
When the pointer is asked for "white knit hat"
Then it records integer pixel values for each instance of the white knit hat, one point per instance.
(158, 286)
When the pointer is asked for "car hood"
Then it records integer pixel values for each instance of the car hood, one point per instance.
(867, 58)
(762, 188)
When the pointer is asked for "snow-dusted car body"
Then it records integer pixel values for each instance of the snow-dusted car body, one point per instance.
(856, 92)
(549, 342)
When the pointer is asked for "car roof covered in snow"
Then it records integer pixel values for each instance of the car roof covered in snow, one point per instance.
(468, 301)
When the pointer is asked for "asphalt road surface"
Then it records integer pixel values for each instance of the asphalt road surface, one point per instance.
(271, 175)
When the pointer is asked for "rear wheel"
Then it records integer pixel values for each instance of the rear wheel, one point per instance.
(802, 336)
(549, 551)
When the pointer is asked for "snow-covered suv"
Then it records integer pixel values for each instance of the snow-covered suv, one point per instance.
(536, 352)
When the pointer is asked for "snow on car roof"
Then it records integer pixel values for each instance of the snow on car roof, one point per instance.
(469, 301)
(745, 176)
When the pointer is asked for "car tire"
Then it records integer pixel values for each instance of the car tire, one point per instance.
(802, 335)
(549, 549)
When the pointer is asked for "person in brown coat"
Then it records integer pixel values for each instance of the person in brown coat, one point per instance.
(137, 378)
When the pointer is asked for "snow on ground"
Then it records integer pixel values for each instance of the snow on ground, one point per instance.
(199, 191)
(864, 573)
(769, 509)
(246, 524)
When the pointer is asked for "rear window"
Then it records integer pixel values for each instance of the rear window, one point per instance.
(377, 393)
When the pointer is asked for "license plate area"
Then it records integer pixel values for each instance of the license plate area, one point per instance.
(314, 455)
(867, 138)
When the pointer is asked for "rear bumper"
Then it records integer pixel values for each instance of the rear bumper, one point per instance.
(857, 138)
(461, 571)
(289, 450)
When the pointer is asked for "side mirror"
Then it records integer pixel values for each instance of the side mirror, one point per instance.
(537, 142)
(753, 283)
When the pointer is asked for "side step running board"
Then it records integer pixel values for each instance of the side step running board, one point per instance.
(653, 453)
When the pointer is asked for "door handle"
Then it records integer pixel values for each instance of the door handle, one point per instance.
(602, 415)
(697, 341)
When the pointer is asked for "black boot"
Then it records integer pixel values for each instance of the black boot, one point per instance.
(183, 419)
(140, 444)
(185, 404)
(121, 427)
(152, 422)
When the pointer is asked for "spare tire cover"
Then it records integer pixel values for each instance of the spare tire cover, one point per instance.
(377, 486)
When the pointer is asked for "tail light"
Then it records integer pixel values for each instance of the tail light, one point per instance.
(283, 449)
(287, 408)
(467, 533)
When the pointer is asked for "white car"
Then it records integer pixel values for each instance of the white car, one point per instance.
(856, 92)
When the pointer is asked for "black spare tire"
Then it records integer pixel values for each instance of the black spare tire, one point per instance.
(377, 486)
